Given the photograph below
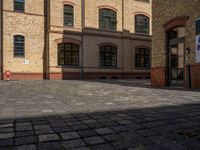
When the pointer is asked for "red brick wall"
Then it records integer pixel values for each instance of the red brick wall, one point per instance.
(158, 77)
(24, 76)
(195, 76)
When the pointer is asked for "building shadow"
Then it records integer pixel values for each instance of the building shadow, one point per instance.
(159, 128)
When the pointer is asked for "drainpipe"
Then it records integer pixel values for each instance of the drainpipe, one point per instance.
(46, 37)
(1, 40)
(82, 37)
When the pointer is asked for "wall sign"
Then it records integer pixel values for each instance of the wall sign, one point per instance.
(26, 62)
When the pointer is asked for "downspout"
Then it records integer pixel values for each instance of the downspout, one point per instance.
(1, 41)
(46, 37)
(123, 36)
(82, 37)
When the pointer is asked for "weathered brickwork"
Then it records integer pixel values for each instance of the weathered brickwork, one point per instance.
(85, 33)
(174, 11)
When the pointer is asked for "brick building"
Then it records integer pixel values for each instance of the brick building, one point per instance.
(176, 43)
(73, 39)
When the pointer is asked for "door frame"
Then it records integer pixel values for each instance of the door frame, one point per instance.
(172, 42)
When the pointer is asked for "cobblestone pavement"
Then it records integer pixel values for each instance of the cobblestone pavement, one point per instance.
(99, 115)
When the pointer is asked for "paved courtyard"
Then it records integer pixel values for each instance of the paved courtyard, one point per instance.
(97, 115)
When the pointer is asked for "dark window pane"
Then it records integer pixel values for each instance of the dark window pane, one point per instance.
(107, 19)
(141, 24)
(18, 45)
(68, 15)
(19, 5)
(68, 54)
(108, 56)
(142, 58)
(198, 26)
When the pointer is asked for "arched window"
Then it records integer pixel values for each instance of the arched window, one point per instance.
(107, 19)
(142, 58)
(19, 45)
(68, 54)
(19, 5)
(142, 24)
(108, 56)
(68, 15)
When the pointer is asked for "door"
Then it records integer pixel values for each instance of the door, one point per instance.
(176, 62)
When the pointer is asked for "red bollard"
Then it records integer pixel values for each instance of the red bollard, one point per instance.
(7, 75)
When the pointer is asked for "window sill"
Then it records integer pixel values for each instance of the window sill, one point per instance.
(142, 68)
(143, 34)
(104, 67)
(67, 66)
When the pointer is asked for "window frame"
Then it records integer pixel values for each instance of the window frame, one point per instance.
(142, 24)
(15, 46)
(139, 56)
(18, 10)
(72, 53)
(68, 14)
(109, 17)
(103, 61)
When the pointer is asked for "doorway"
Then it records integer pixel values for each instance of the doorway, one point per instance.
(176, 59)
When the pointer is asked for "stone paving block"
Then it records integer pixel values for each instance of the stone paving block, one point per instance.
(87, 133)
(23, 124)
(69, 135)
(25, 140)
(94, 140)
(73, 143)
(72, 123)
(25, 147)
(6, 135)
(81, 148)
(6, 142)
(95, 125)
(79, 127)
(7, 125)
(103, 147)
(91, 121)
(24, 133)
(57, 123)
(61, 129)
(102, 131)
(23, 128)
(48, 137)
(6, 130)
(112, 137)
(119, 128)
(51, 146)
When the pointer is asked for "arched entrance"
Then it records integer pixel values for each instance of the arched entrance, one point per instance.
(176, 60)
(175, 31)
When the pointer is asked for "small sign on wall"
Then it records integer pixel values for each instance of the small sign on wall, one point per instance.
(25, 62)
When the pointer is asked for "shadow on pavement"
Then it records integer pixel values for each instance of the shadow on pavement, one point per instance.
(161, 128)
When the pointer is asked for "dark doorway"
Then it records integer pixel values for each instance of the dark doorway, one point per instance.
(176, 59)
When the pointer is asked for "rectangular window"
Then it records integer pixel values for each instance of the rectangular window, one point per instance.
(19, 5)
(19, 46)
(68, 15)
(68, 55)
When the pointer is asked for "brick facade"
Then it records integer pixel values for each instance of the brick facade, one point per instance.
(167, 15)
(43, 29)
